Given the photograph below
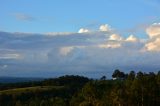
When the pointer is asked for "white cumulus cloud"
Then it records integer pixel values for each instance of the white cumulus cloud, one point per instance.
(153, 43)
(115, 37)
(83, 30)
(105, 28)
(131, 38)
(153, 30)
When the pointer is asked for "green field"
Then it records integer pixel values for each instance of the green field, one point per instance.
(29, 89)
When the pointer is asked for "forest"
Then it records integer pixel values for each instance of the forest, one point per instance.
(124, 89)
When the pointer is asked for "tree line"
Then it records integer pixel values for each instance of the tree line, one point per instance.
(125, 89)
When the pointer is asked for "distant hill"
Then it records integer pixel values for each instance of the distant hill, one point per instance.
(18, 79)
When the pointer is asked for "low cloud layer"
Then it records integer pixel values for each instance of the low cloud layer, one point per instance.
(92, 53)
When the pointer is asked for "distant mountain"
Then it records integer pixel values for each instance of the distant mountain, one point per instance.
(18, 79)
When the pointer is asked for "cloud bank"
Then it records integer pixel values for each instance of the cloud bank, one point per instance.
(91, 53)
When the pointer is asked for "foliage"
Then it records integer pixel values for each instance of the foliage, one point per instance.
(133, 89)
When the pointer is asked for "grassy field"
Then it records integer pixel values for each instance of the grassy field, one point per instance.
(30, 89)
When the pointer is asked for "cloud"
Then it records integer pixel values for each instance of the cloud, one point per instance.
(105, 28)
(153, 30)
(102, 28)
(131, 38)
(58, 33)
(23, 17)
(100, 52)
(3, 66)
(110, 45)
(10, 56)
(153, 43)
(65, 50)
(83, 30)
(115, 37)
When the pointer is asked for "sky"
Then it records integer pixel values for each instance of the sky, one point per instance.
(48, 38)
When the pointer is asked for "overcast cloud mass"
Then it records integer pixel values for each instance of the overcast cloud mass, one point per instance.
(91, 53)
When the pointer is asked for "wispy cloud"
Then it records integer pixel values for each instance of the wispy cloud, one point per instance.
(23, 17)
(9, 56)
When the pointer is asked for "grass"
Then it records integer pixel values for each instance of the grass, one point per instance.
(30, 89)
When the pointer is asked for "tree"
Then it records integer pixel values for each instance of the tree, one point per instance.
(44, 103)
(57, 101)
(18, 103)
(118, 74)
(103, 78)
(132, 75)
